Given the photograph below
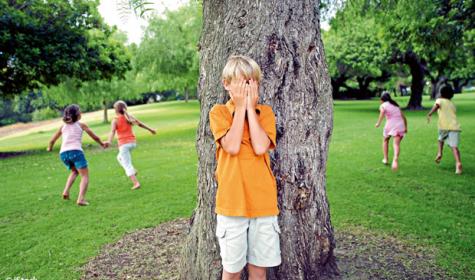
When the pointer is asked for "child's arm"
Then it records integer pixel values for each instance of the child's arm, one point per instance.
(231, 142)
(112, 133)
(92, 135)
(54, 139)
(405, 121)
(432, 111)
(144, 126)
(259, 139)
(380, 118)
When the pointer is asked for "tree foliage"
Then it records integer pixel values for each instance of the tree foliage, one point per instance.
(355, 52)
(433, 38)
(45, 42)
(167, 58)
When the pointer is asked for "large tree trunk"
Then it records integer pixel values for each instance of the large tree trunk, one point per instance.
(417, 69)
(283, 36)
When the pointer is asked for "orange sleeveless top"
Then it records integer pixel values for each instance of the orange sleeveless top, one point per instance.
(125, 134)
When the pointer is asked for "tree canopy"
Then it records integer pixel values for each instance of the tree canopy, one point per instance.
(435, 39)
(168, 54)
(45, 42)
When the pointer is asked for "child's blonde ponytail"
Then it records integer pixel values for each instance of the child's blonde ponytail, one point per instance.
(121, 108)
(128, 117)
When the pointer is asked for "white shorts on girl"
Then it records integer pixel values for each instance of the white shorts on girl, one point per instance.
(248, 240)
(125, 158)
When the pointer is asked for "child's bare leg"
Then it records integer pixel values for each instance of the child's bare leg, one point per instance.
(396, 145)
(385, 149)
(135, 181)
(84, 172)
(256, 272)
(231, 276)
(458, 162)
(70, 182)
(438, 158)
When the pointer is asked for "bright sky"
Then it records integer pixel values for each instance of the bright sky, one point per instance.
(128, 22)
(134, 26)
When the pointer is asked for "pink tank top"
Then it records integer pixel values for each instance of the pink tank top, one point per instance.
(72, 137)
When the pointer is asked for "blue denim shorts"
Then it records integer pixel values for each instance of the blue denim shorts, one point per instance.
(74, 158)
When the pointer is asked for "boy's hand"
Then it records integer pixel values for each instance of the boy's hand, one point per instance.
(377, 125)
(153, 131)
(105, 145)
(428, 118)
(49, 149)
(238, 93)
(252, 95)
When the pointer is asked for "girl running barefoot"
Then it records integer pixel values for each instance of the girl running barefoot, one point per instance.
(122, 124)
(449, 127)
(71, 152)
(396, 126)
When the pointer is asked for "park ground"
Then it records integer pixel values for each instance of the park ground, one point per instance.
(423, 204)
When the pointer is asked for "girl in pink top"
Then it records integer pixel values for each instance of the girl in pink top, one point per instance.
(396, 126)
(71, 152)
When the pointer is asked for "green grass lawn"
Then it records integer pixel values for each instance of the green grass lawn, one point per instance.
(424, 203)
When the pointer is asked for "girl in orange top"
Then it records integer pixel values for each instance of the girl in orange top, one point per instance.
(122, 124)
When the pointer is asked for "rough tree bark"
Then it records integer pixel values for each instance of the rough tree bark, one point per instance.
(283, 36)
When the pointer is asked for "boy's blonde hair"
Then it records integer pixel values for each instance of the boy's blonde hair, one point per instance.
(240, 65)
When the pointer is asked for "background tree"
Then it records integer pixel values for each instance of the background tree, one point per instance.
(168, 54)
(44, 42)
(433, 39)
(355, 52)
(100, 93)
(425, 35)
(284, 38)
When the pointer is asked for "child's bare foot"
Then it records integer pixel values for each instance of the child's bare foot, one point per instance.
(458, 169)
(395, 165)
(385, 161)
(82, 203)
(438, 158)
(136, 186)
(66, 196)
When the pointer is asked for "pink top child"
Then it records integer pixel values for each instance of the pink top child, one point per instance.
(395, 125)
(72, 137)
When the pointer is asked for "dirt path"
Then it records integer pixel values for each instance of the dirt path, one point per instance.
(153, 254)
(20, 129)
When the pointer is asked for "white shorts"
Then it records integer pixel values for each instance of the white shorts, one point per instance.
(451, 137)
(248, 240)
(125, 158)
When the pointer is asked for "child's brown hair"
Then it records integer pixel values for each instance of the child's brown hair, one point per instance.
(71, 114)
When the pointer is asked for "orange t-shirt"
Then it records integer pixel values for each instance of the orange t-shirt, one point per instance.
(246, 185)
(125, 133)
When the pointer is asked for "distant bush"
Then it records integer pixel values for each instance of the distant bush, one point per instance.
(45, 114)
